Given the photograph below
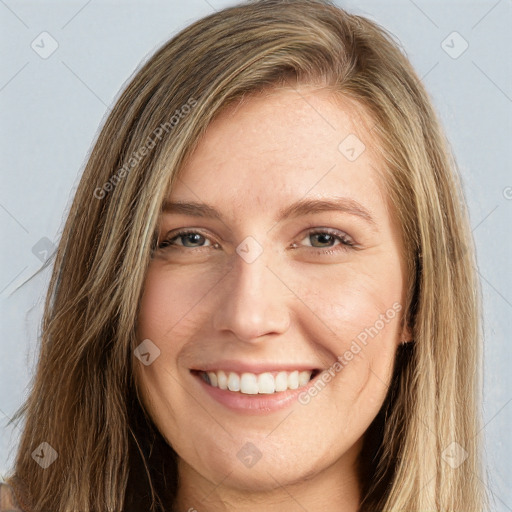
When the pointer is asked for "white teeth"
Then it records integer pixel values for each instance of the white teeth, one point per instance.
(281, 380)
(213, 378)
(293, 380)
(304, 378)
(266, 383)
(222, 380)
(233, 382)
(249, 384)
(263, 383)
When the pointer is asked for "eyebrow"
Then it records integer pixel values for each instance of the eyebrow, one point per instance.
(297, 209)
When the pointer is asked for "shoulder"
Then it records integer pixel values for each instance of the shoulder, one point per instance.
(8, 501)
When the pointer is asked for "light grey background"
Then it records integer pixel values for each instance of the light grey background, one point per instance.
(51, 109)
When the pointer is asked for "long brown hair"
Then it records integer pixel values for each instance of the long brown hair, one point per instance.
(84, 401)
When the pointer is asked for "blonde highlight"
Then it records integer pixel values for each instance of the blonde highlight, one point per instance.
(84, 397)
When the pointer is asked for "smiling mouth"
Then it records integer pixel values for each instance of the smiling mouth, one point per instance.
(265, 383)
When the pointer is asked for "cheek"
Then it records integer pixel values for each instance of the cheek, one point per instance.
(171, 301)
(356, 319)
(173, 306)
(351, 305)
(161, 308)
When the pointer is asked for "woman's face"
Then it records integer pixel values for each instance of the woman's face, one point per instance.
(267, 288)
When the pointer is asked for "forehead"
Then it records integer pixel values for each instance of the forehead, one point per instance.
(277, 147)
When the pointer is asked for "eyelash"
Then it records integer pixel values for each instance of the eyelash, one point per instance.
(346, 243)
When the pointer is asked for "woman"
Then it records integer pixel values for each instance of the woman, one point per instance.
(264, 296)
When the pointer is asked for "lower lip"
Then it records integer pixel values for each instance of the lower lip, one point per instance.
(253, 404)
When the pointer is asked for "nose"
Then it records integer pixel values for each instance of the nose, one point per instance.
(253, 302)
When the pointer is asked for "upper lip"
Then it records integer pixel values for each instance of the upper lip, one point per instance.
(259, 367)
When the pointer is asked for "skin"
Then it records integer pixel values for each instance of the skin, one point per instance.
(294, 303)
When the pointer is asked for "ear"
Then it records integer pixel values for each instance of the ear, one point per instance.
(406, 335)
